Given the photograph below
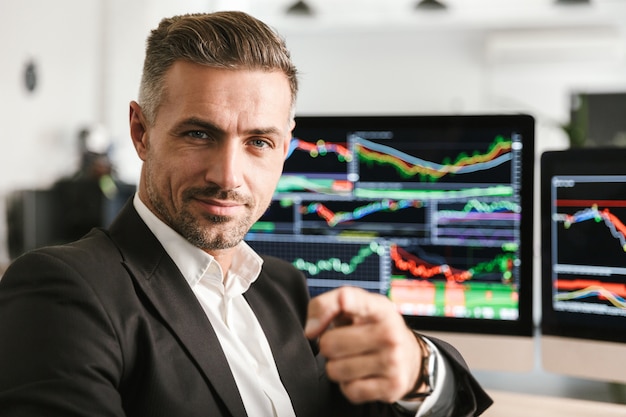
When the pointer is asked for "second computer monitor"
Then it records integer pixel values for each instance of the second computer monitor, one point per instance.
(583, 219)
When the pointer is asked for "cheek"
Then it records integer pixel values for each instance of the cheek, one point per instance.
(265, 181)
(171, 174)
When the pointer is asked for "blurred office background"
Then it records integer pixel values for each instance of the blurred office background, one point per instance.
(70, 67)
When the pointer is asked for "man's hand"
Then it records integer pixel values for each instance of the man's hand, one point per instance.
(370, 351)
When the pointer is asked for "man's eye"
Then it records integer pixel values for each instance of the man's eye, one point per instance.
(259, 143)
(197, 134)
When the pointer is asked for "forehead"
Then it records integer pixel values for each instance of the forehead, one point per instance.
(192, 84)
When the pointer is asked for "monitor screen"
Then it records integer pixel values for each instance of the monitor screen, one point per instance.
(583, 215)
(434, 212)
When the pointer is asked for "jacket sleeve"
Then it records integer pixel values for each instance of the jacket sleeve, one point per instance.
(470, 398)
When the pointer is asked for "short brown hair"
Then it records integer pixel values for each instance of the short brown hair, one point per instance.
(230, 40)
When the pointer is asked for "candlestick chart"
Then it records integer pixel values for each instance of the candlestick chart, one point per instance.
(429, 218)
(589, 241)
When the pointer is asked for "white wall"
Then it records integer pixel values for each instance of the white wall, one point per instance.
(39, 128)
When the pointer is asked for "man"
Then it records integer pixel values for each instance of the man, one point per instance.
(169, 312)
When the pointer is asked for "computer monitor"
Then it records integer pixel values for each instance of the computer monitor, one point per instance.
(434, 212)
(597, 118)
(583, 216)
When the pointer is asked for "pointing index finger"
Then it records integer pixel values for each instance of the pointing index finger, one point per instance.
(346, 305)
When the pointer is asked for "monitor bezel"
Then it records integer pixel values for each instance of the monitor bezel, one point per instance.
(574, 161)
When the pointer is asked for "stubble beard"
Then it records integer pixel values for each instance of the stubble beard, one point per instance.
(207, 232)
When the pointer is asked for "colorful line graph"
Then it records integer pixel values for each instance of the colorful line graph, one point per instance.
(335, 218)
(337, 265)
(320, 148)
(418, 268)
(290, 183)
(477, 211)
(577, 289)
(612, 222)
(477, 206)
(491, 191)
(409, 166)
(421, 269)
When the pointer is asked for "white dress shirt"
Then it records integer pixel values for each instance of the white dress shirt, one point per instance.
(242, 339)
(238, 330)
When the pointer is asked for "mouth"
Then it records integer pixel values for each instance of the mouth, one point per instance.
(221, 208)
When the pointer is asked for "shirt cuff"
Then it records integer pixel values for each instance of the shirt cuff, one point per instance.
(441, 401)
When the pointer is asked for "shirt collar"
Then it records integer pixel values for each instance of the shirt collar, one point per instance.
(194, 263)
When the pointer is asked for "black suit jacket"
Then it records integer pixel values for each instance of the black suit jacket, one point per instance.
(107, 326)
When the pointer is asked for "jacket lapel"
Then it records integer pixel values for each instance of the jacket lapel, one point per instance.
(160, 280)
(292, 353)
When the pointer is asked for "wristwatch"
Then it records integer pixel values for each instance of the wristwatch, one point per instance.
(426, 382)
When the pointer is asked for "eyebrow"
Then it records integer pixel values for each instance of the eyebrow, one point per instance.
(202, 124)
(211, 127)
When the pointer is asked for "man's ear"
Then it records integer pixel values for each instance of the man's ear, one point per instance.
(138, 130)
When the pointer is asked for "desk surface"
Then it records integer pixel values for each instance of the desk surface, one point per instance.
(508, 404)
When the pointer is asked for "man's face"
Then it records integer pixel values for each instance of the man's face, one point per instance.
(215, 153)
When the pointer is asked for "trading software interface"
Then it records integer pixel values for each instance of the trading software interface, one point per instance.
(588, 244)
(425, 212)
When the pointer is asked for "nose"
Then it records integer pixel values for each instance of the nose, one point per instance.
(226, 166)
